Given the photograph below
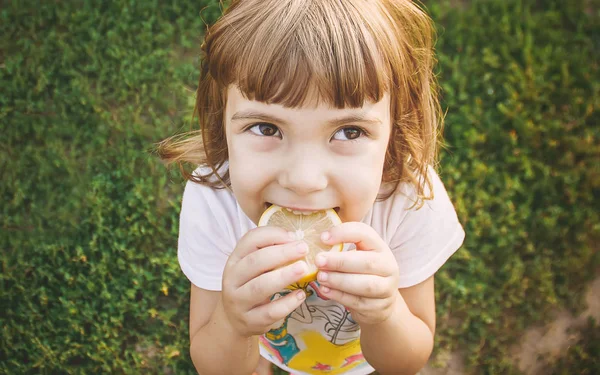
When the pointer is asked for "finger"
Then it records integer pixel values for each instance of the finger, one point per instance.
(365, 237)
(369, 286)
(260, 237)
(269, 258)
(363, 262)
(264, 286)
(354, 302)
(267, 314)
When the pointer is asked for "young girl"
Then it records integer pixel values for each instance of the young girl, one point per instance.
(310, 105)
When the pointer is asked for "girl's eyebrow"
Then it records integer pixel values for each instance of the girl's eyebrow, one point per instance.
(253, 115)
(352, 118)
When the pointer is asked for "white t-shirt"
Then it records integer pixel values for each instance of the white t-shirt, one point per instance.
(319, 337)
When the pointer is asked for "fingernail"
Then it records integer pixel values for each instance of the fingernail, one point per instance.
(322, 276)
(299, 267)
(320, 260)
(325, 236)
(292, 235)
(301, 295)
(324, 289)
(302, 248)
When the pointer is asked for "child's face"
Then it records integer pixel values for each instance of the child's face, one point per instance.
(311, 158)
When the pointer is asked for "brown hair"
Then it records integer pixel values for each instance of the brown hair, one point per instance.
(347, 51)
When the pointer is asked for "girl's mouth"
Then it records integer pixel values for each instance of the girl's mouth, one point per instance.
(301, 211)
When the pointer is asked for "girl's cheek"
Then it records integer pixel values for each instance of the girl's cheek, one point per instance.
(259, 145)
(349, 148)
(246, 150)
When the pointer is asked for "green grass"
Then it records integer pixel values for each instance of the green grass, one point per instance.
(88, 223)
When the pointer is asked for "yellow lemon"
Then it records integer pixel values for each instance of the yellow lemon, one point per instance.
(308, 227)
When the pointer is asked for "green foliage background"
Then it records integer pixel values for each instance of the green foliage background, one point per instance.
(88, 220)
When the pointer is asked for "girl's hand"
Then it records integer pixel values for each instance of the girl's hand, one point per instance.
(366, 280)
(254, 272)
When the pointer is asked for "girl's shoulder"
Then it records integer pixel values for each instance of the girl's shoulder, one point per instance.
(403, 211)
(216, 199)
(422, 237)
(212, 207)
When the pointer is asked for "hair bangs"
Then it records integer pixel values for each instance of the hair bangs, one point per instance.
(309, 55)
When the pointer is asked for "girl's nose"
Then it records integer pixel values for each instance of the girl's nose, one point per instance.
(303, 174)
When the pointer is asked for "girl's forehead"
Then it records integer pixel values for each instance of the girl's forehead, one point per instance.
(240, 106)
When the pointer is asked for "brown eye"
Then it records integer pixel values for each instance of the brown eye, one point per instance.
(268, 130)
(348, 134)
(265, 130)
(352, 133)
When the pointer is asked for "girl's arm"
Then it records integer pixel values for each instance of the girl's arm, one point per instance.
(403, 343)
(214, 342)
(225, 326)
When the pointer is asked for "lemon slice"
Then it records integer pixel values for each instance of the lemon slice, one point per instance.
(307, 228)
